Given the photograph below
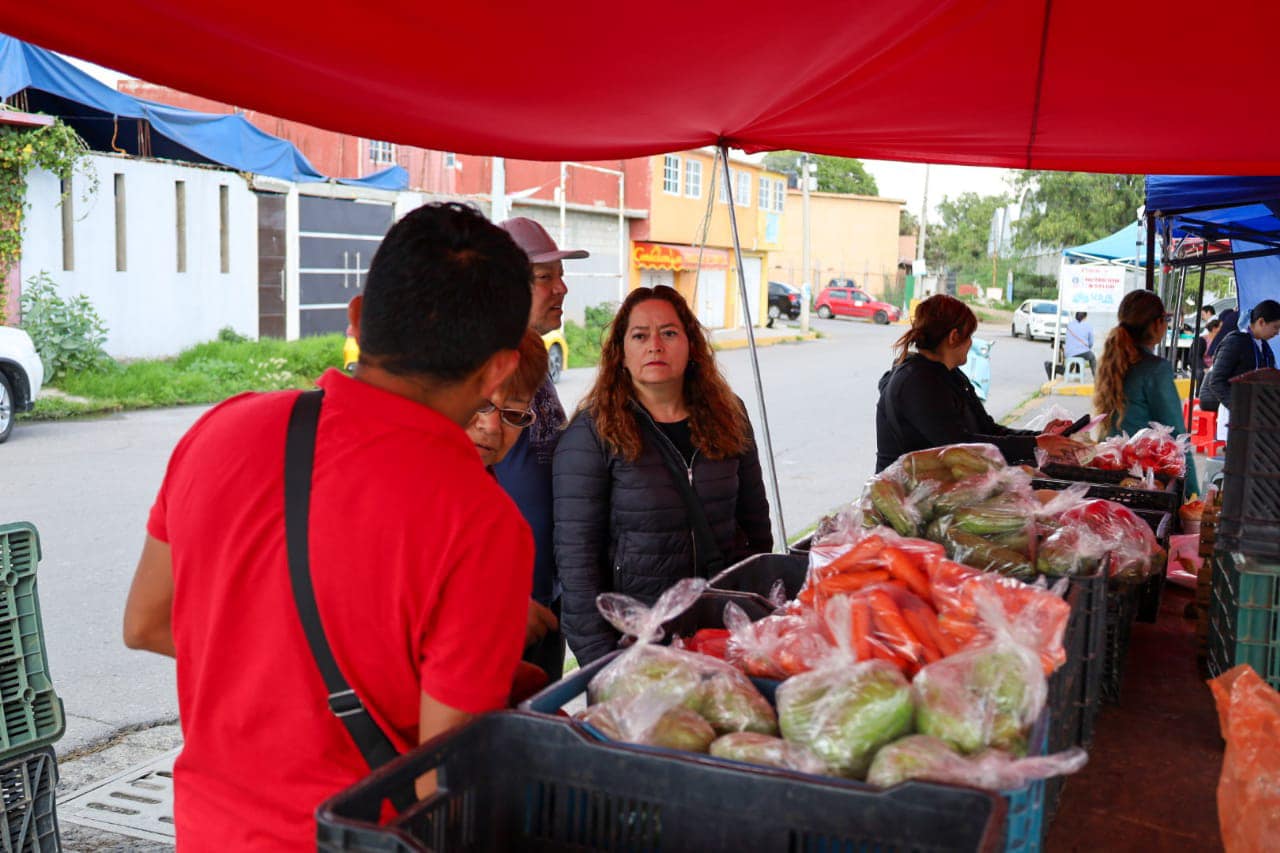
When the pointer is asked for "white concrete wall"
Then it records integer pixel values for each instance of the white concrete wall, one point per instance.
(591, 281)
(150, 309)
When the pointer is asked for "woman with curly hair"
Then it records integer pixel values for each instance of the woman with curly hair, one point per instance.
(657, 478)
(1134, 386)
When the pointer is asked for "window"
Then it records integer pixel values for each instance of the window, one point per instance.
(450, 160)
(122, 259)
(68, 229)
(224, 226)
(180, 222)
(763, 193)
(383, 153)
(779, 196)
(742, 189)
(671, 174)
(693, 178)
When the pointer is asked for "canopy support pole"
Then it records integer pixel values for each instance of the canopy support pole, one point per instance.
(770, 470)
(1151, 251)
(1191, 395)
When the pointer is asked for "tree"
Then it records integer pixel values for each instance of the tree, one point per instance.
(959, 241)
(1062, 209)
(834, 174)
(908, 224)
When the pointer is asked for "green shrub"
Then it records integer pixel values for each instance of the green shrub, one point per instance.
(229, 335)
(584, 341)
(67, 333)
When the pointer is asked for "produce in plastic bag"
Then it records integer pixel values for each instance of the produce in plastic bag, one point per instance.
(1154, 448)
(651, 720)
(1108, 455)
(720, 693)
(987, 695)
(1249, 788)
(844, 711)
(768, 751)
(1093, 530)
(934, 760)
(777, 646)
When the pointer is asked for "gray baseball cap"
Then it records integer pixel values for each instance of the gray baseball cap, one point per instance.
(536, 242)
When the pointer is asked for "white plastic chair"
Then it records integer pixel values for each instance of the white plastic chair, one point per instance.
(1075, 367)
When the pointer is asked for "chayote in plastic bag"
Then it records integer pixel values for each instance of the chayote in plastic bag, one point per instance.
(768, 751)
(652, 721)
(935, 760)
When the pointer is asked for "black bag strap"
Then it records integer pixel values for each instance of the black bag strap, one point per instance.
(299, 457)
(710, 562)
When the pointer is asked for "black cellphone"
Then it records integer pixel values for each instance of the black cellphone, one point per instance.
(1077, 426)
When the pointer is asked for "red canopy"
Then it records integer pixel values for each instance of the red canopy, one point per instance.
(1075, 84)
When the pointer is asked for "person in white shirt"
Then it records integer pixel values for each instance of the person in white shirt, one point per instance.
(1079, 341)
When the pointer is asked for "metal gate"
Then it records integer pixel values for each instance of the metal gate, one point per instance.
(336, 241)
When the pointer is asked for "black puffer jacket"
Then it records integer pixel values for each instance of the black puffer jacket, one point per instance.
(623, 526)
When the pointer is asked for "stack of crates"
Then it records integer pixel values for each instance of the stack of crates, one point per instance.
(1244, 611)
(31, 714)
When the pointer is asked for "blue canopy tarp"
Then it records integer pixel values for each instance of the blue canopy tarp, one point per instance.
(1126, 246)
(113, 121)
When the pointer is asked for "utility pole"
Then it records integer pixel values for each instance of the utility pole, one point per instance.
(498, 208)
(806, 288)
(918, 268)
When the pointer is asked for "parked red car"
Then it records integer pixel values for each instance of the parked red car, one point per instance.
(846, 301)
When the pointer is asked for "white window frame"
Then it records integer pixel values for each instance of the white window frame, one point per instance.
(779, 196)
(671, 174)
(742, 189)
(382, 153)
(450, 160)
(693, 178)
(763, 192)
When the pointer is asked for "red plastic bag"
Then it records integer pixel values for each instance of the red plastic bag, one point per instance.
(1249, 788)
(1154, 448)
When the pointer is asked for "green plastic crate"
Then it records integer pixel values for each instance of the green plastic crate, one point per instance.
(30, 711)
(1244, 615)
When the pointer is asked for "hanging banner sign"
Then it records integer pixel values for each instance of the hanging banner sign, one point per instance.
(664, 256)
(1091, 287)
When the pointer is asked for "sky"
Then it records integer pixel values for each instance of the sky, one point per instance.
(903, 181)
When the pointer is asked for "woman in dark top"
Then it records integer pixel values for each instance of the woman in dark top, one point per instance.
(925, 401)
(1241, 352)
(660, 411)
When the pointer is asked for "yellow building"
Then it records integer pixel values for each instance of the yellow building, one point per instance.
(850, 236)
(665, 248)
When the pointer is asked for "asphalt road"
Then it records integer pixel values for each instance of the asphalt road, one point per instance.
(87, 486)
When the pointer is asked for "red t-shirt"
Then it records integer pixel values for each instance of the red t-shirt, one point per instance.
(421, 569)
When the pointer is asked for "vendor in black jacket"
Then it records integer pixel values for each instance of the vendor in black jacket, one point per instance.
(925, 401)
(659, 412)
(1241, 352)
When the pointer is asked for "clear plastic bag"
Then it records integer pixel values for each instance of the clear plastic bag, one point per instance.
(768, 751)
(844, 711)
(721, 694)
(988, 695)
(1093, 530)
(652, 720)
(1155, 448)
(777, 646)
(933, 759)
(1249, 788)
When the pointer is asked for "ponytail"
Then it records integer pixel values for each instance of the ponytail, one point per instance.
(1120, 353)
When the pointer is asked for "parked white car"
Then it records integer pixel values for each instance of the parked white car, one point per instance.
(21, 375)
(1035, 319)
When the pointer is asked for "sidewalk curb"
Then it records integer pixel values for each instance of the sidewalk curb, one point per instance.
(1058, 389)
(741, 343)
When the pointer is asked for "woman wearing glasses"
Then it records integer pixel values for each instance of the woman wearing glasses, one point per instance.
(657, 478)
(925, 401)
(494, 430)
(1134, 386)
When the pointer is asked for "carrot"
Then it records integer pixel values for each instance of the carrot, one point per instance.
(806, 595)
(918, 620)
(901, 567)
(959, 630)
(849, 583)
(861, 613)
(889, 622)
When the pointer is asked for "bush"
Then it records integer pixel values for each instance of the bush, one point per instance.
(68, 334)
(584, 341)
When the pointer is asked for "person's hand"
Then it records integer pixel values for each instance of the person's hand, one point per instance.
(541, 620)
(1057, 425)
(1059, 447)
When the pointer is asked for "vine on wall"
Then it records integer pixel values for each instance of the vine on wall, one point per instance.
(55, 148)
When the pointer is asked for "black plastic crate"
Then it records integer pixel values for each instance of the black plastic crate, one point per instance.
(1244, 616)
(518, 781)
(28, 786)
(760, 573)
(1255, 401)
(801, 546)
(708, 612)
(1169, 499)
(1088, 692)
(1149, 592)
(1122, 599)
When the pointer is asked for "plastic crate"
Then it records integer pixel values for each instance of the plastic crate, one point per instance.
(1244, 616)
(1250, 518)
(760, 573)
(801, 546)
(708, 612)
(32, 713)
(1122, 599)
(1093, 620)
(1167, 499)
(28, 787)
(517, 781)
(1149, 592)
(1026, 818)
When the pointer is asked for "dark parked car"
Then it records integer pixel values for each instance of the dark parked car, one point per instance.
(784, 301)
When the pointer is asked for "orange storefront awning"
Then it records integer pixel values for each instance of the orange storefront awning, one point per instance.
(670, 256)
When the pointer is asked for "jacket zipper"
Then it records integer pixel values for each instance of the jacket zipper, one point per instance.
(688, 466)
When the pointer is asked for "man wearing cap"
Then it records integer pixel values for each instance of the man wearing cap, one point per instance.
(525, 473)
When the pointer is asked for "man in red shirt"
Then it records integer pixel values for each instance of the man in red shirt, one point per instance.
(419, 560)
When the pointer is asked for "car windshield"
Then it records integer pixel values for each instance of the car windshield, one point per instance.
(1044, 308)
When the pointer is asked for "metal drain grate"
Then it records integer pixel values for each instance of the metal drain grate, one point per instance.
(137, 802)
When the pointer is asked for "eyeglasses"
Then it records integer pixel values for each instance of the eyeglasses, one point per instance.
(518, 418)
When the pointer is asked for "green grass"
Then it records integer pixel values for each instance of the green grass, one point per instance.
(206, 373)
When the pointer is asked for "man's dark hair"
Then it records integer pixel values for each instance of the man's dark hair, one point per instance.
(1208, 308)
(1080, 315)
(446, 290)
